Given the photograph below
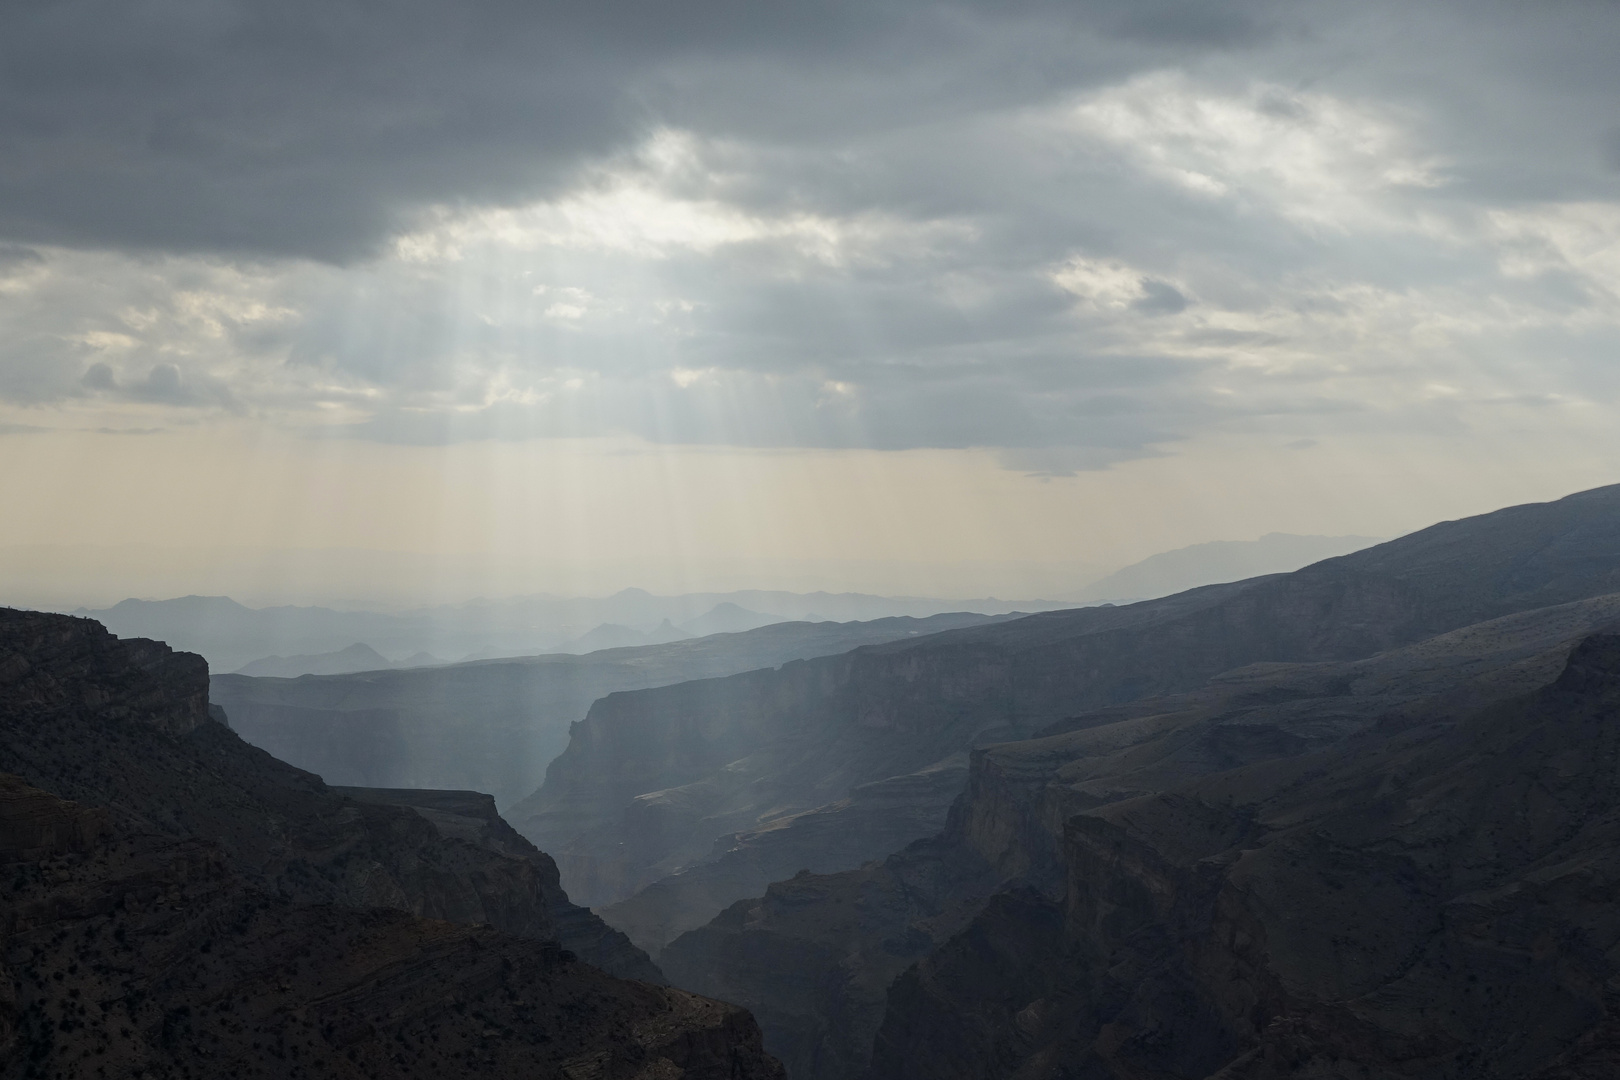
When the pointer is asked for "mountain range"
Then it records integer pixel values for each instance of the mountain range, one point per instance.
(666, 797)
(230, 635)
(1358, 820)
(493, 725)
(292, 641)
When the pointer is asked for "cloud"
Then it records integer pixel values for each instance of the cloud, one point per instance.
(15, 257)
(1075, 234)
(320, 129)
(1311, 156)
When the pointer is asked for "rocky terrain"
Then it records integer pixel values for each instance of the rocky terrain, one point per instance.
(470, 817)
(493, 725)
(660, 784)
(176, 902)
(846, 937)
(1430, 898)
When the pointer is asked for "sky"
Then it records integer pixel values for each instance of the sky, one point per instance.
(361, 301)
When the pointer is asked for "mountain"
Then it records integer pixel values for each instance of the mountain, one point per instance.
(357, 657)
(1217, 561)
(1433, 899)
(614, 636)
(178, 900)
(658, 782)
(494, 725)
(728, 618)
(230, 635)
(1029, 939)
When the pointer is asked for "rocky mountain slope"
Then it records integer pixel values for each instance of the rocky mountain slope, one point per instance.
(659, 782)
(179, 903)
(816, 956)
(1428, 899)
(494, 725)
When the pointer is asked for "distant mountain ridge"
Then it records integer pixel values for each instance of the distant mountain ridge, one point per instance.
(357, 657)
(493, 725)
(1219, 561)
(229, 634)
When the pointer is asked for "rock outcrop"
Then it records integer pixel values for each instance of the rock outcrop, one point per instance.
(36, 825)
(654, 782)
(470, 817)
(179, 903)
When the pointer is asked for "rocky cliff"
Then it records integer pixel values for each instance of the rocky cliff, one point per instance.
(470, 817)
(846, 937)
(177, 902)
(1432, 898)
(654, 783)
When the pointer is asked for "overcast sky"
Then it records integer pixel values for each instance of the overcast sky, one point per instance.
(637, 292)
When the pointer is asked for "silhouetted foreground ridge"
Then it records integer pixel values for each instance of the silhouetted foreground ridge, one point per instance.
(176, 903)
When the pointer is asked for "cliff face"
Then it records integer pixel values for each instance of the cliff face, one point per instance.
(1433, 901)
(145, 955)
(470, 817)
(494, 725)
(876, 819)
(651, 780)
(83, 705)
(846, 937)
(177, 900)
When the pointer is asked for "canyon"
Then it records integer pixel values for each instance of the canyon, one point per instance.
(670, 803)
(1354, 821)
(493, 725)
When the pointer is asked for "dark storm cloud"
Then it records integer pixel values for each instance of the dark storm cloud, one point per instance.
(315, 127)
